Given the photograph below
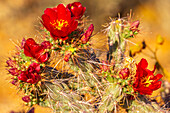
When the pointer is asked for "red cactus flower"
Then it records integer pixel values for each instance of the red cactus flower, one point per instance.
(58, 22)
(86, 36)
(14, 71)
(145, 81)
(124, 73)
(34, 50)
(26, 99)
(77, 10)
(31, 75)
(134, 26)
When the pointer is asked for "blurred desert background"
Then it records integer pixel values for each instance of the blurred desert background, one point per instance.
(20, 18)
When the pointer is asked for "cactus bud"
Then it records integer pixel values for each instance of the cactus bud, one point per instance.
(124, 73)
(26, 99)
(86, 36)
(76, 9)
(134, 26)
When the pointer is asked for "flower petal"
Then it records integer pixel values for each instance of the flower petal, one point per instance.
(143, 63)
(51, 13)
(44, 57)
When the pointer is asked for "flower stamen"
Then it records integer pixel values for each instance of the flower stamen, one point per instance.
(59, 24)
(147, 81)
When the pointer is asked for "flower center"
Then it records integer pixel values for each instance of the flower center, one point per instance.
(146, 81)
(59, 24)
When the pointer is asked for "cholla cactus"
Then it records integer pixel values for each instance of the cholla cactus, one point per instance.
(64, 73)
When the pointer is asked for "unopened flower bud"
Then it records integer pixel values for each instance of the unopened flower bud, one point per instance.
(76, 9)
(86, 36)
(26, 99)
(124, 73)
(134, 26)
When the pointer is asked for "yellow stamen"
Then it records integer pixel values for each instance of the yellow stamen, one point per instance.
(59, 24)
(147, 82)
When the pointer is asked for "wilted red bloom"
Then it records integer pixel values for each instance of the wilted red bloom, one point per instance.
(134, 26)
(145, 81)
(34, 50)
(58, 22)
(31, 75)
(124, 73)
(14, 71)
(77, 10)
(66, 57)
(105, 66)
(26, 99)
(86, 36)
